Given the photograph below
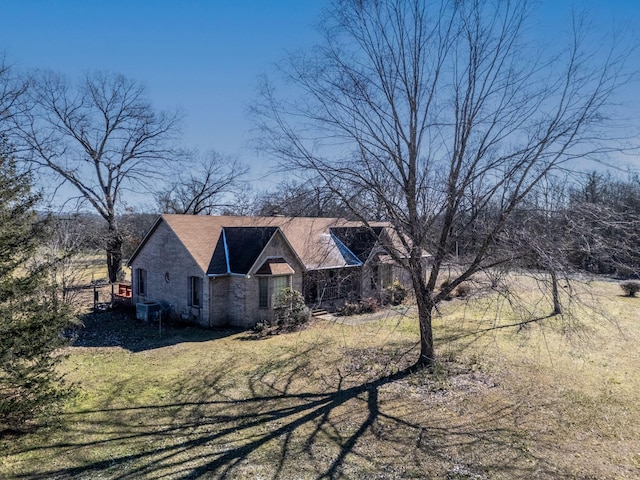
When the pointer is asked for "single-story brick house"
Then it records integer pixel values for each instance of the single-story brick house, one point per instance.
(226, 270)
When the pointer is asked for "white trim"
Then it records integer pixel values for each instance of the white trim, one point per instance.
(255, 265)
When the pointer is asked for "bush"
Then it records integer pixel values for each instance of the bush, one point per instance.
(445, 285)
(630, 288)
(395, 293)
(369, 305)
(366, 305)
(463, 290)
(349, 309)
(290, 309)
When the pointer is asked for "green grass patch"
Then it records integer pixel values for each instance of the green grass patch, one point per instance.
(555, 399)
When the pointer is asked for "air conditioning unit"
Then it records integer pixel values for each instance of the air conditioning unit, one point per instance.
(148, 311)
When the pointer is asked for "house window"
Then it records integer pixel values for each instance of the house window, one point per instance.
(278, 284)
(141, 281)
(271, 285)
(263, 295)
(374, 277)
(195, 291)
(386, 277)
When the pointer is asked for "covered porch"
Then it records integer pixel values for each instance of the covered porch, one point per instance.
(332, 286)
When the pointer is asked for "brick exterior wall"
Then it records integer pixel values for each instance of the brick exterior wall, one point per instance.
(218, 294)
(226, 300)
(165, 258)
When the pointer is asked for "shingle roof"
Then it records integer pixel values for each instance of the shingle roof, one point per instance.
(238, 248)
(312, 239)
(359, 240)
(275, 266)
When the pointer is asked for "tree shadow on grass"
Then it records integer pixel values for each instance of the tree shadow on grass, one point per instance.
(120, 328)
(350, 429)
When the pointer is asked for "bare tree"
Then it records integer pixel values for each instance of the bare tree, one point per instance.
(566, 229)
(445, 113)
(205, 189)
(311, 197)
(100, 136)
(135, 225)
(67, 239)
(300, 199)
(605, 214)
(539, 239)
(12, 89)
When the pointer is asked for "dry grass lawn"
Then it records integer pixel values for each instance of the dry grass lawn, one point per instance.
(555, 400)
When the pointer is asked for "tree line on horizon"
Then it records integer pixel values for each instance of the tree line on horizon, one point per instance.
(588, 225)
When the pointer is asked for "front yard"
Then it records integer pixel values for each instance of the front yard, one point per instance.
(336, 400)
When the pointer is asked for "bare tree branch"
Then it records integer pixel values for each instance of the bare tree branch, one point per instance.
(208, 187)
(100, 136)
(444, 112)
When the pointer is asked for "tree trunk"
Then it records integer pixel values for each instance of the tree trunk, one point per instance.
(114, 252)
(425, 314)
(424, 302)
(557, 306)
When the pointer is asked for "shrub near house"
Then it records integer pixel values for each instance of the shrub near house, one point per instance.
(290, 310)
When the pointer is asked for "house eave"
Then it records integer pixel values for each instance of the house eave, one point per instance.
(227, 274)
(333, 267)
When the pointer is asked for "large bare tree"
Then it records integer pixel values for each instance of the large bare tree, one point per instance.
(447, 114)
(209, 187)
(100, 136)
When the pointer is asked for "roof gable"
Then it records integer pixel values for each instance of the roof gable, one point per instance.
(144, 241)
(359, 240)
(238, 248)
(161, 224)
(275, 266)
(349, 257)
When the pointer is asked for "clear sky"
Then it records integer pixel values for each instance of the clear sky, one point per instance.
(204, 56)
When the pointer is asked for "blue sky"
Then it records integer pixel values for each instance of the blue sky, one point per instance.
(204, 56)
